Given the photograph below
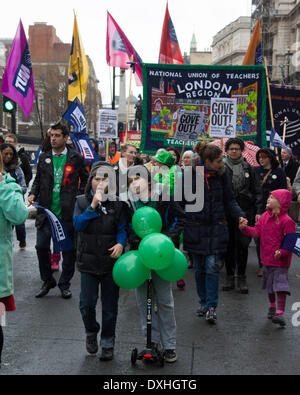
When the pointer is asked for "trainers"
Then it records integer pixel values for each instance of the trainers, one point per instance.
(170, 356)
(271, 312)
(107, 354)
(211, 316)
(201, 311)
(92, 344)
(279, 320)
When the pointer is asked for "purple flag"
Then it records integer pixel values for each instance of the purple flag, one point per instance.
(17, 82)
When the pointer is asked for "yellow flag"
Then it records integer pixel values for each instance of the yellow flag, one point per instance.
(78, 68)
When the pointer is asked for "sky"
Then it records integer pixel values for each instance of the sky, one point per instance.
(140, 20)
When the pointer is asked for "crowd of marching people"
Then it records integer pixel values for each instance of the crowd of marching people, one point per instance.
(239, 202)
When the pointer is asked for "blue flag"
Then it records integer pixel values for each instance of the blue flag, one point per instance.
(37, 155)
(276, 141)
(60, 238)
(75, 116)
(82, 144)
(291, 243)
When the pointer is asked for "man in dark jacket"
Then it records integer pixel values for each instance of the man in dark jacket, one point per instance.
(248, 194)
(289, 164)
(11, 138)
(60, 177)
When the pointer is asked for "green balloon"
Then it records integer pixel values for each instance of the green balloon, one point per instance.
(146, 220)
(129, 272)
(157, 251)
(177, 270)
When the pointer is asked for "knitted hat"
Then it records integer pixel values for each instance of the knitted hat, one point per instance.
(165, 158)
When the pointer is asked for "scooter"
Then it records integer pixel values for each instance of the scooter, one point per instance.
(150, 353)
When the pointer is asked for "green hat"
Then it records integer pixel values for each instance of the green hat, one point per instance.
(166, 158)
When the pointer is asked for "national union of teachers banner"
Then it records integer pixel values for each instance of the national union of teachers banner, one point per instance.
(170, 90)
(286, 104)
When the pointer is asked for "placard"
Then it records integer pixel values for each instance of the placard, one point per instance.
(223, 118)
(190, 124)
(108, 124)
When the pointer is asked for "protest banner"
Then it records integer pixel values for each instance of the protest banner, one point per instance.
(108, 124)
(286, 104)
(170, 89)
(190, 124)
(133, 138)
(223, 118)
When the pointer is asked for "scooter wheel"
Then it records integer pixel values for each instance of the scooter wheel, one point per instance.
(134, 355)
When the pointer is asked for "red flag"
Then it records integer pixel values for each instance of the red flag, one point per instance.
(169, 48)
(119, 49)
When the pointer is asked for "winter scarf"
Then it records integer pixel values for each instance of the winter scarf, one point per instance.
(238, 179)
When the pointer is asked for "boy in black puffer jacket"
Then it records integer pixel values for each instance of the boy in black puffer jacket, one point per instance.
(101, 228)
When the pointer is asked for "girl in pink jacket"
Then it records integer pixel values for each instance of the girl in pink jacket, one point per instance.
(271, 228)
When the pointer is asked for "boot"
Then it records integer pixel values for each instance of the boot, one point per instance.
(242, 285)
(229, 284)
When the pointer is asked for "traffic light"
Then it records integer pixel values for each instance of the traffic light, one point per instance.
(8, 105)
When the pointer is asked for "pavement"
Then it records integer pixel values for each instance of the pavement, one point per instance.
(46, 336)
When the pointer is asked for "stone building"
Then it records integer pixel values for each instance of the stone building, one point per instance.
(230, 44)
(280, 22)
(197, 57)
(50, 61)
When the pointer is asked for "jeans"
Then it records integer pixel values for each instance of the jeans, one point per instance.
(109, 300)
(163, 321)
(21, 232)
(43, 242)
(207, 271)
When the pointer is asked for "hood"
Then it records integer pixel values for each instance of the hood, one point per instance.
(7, 178)
(93, 172)
(285, 198)
(271, 154)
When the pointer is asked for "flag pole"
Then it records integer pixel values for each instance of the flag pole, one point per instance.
(128, 107)
(113, 106)
(182, 152)
(284, 128)
(270, 101)
(40, 119)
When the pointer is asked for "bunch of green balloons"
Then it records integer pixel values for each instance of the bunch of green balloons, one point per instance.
(156, 252)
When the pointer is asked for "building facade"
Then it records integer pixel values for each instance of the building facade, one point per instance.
(280, 22)
(230, 44)
(197, 57)
(50, 62)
